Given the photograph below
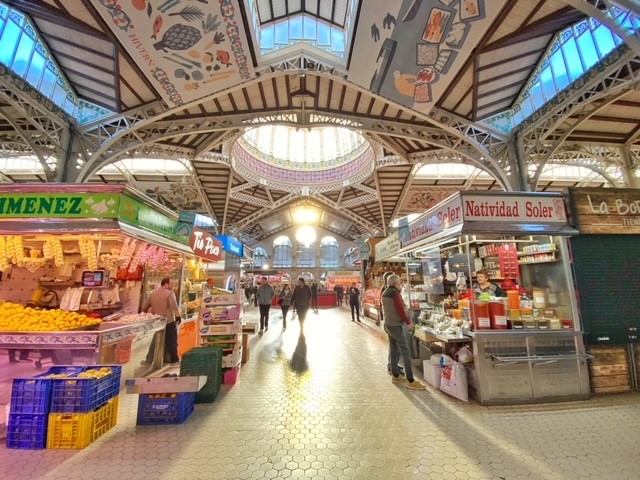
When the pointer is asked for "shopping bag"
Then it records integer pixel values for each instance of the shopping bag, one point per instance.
(454, 381)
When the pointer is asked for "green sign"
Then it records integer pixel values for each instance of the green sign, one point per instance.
(59, 205)
(137, 213)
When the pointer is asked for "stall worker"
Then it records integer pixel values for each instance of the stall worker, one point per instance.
(484, 286)
(163, 302)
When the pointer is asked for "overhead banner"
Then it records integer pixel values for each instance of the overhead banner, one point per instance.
(231, 245)
(610, 210)
(388, 247)
(409, 51)
(205, 245)
(187, 50)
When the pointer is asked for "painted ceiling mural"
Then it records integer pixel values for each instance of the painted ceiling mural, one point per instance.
(408, 51)
(419, 199)
(187, 49)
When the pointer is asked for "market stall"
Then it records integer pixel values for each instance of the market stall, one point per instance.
(606, 258)
(526, 346)
(83, 251)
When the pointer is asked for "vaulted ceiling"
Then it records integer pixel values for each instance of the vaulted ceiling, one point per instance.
(302, 86)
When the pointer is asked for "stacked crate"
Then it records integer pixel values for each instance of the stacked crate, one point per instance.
(204, 361)
(609, 369)
(165, 408)
(221, 325)
(59, 410)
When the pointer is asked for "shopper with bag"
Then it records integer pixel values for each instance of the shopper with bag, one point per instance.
(300, 299)
(284, 300)
(395, 319)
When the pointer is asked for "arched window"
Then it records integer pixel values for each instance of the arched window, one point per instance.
(329, 253)
(260, 257)
(282, 252)
(307, 255)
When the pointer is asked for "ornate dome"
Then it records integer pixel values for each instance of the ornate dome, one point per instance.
(292, 159)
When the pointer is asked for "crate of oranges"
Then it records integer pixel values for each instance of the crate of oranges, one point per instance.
(87, 390)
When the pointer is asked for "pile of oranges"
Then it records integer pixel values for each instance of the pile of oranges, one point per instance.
(16, 318)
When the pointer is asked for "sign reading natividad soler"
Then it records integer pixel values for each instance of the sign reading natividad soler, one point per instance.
(610, 210)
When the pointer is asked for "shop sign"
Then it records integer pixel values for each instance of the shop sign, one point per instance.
(205, 245)
(514, 208)
(231, 245)
(611, 210)
(59, 205)
(388, 247)
(342, 273)
(137, 213)
(440, 218)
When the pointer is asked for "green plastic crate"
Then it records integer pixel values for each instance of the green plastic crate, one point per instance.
(204, 361)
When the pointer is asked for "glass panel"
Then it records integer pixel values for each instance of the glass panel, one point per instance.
(23, 55)
(337, 40)
(59, 95)
(536, 95)
(48, 82)
(572, 58)
(518, 118)
(527, 108)
(324, 34)
(310, 28)
(266, 37)
(295, 28)
(548, 87)
(38, 63)
(69, 106)
(559, 70)
(9, 39)
(604, 39)
(587, 50)
(282, 33)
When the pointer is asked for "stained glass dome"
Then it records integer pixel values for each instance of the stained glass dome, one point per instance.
(289, 158)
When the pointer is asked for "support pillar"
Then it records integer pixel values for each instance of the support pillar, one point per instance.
(631, 180)
(520, 177)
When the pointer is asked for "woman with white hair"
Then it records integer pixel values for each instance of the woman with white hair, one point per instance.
(395, 317)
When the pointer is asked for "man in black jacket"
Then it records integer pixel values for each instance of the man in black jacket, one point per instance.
(314, 296)
(300, 299)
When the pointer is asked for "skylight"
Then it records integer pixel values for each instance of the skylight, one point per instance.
(24, 52)
(572, 53)
(301, 28)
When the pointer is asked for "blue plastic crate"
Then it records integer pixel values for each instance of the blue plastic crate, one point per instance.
(165, 408)
(27, 431)
(77, 395)
(33, 395)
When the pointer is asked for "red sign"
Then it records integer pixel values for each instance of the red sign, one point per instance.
(205, 245)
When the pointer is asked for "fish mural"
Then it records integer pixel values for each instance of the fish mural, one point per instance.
(188, 49)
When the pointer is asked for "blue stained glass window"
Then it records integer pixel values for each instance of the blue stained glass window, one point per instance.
(587, 50)
(48, 82)
(604, 40)
(324, 34)
(10, 37)
(59, 94)
(23, 55)
(310, 26)
(536, 95)
(337, 40)
(266, 37)
(548, 85)
(38, 63)
(527, 107)
(559, 70)
(574, 62)
(295, 28)
(282, 33)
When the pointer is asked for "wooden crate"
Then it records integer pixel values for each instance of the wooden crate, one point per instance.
(609, 369)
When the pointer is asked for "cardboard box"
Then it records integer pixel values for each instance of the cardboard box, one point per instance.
(218, 314)
(245, 347)
(225, 328)
(432, 373)
(222, 299)
(250, 327)
(232, 359)
(165, 384)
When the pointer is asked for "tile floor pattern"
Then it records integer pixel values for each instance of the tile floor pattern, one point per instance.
(326, 409)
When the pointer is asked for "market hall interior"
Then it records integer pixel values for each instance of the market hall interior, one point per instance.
(322, 406)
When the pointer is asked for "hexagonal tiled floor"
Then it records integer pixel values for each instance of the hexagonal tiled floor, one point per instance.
(322, 406)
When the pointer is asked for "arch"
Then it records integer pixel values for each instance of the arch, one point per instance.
(282, 252)
(306, 256)
(260, 257)
(329, 252)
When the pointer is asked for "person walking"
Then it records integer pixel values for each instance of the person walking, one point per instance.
(314, 296)
(284, 300)
(265, 297)
(395, 319)
(162, 302)
(300, 299)
(340, 293)
(354, 302)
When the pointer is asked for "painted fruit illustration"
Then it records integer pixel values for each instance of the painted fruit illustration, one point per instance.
(179, 37)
